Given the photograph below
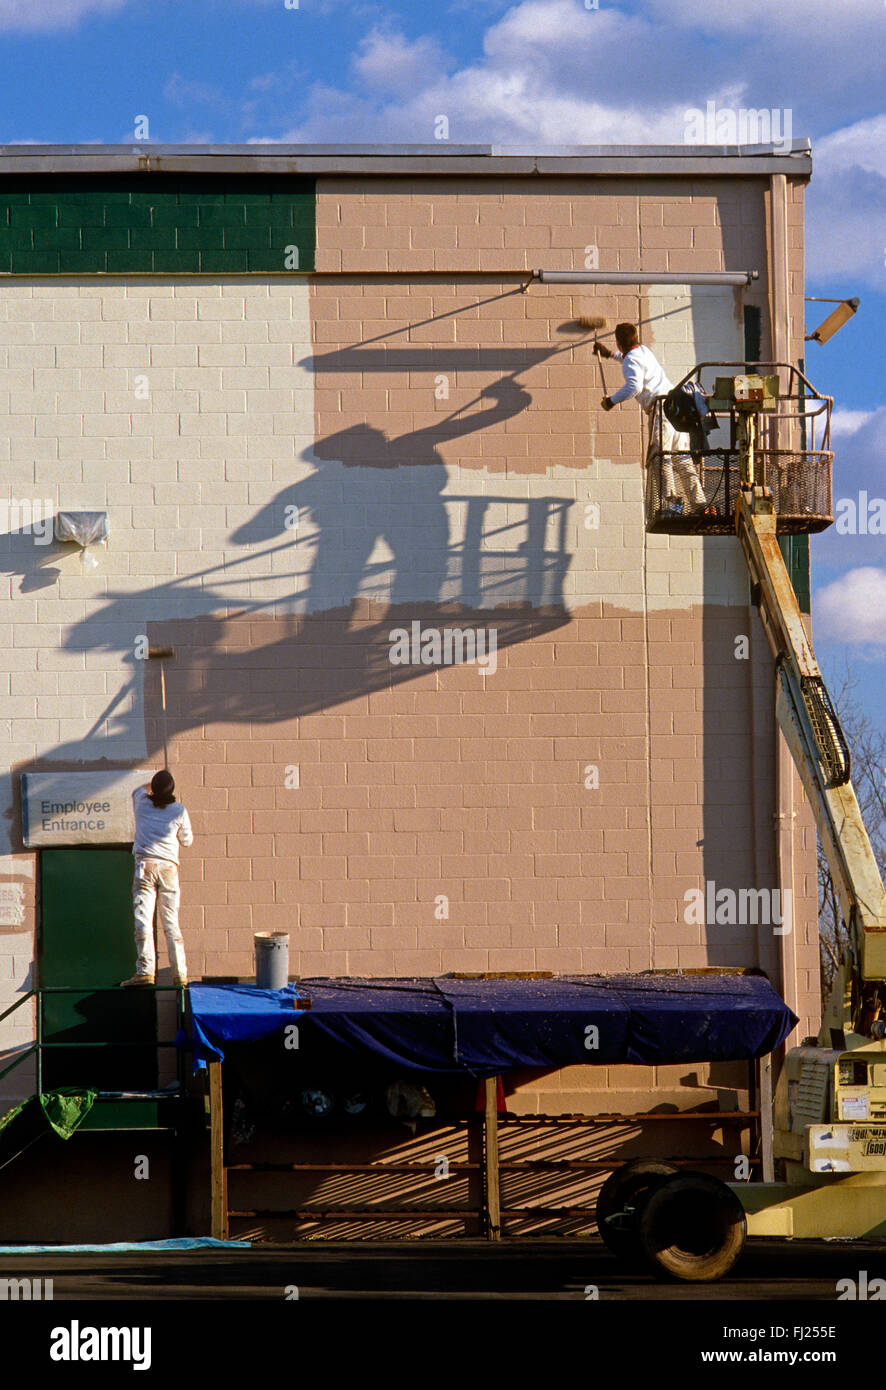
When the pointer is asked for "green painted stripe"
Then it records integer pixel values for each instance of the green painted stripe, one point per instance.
(795, 550)
(155, 224)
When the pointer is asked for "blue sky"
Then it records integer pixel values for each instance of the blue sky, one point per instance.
(530, 73)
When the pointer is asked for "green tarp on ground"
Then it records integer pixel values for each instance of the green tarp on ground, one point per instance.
(62, 1110)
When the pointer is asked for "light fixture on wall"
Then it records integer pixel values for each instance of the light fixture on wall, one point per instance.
(834, 321)
(85, 529)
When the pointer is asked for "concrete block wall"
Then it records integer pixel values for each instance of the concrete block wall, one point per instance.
(295, 469)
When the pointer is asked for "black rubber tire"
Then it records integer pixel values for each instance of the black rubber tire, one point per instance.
(691, 1227)
(628, 1186)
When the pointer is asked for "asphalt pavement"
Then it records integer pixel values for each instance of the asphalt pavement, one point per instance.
(459, 1270)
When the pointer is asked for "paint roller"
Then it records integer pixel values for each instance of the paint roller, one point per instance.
(595, 323)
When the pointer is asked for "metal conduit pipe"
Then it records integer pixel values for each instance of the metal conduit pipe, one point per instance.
(646, 277)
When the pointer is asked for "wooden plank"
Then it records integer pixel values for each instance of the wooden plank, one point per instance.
(397, 1213)
(589, 1212)
(490, 1157)
(358, 1213)
(218, 1177)
(603, 1165)
(712, 1117)
(427, 1169)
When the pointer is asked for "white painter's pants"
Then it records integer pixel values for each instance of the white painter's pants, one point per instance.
(663, 439)
(156, 880)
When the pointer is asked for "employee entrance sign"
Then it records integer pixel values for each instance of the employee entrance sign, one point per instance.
(79, 808)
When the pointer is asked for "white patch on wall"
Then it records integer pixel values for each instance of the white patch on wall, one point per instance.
(16, 866)
(131, 398)
(689, 324)
(198, 469)
(12, 904)
(437, 532)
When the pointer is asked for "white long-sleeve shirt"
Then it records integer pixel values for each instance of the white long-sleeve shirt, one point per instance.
(644, 376)
(159, 829)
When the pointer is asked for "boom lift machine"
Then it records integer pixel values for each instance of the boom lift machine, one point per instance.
(829, 1123)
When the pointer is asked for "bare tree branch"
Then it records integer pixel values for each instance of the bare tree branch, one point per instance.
(868, 747)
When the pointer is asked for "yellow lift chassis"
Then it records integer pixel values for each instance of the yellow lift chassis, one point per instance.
(830, 1102)
(836, 1171)
(814, 736)
(830, 1106)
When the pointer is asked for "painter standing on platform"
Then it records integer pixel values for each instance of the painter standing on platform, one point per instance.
(646, 381)
(161, 825)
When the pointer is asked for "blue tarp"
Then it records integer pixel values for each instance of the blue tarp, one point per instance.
(448, 1027)
(237, 1013)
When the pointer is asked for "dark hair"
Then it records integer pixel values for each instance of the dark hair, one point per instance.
(626, 336)
(162, 787)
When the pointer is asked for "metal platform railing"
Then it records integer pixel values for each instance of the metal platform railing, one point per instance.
(41, 1044)
(793, 458)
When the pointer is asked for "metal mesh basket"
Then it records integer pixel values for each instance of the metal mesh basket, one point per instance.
(800, 478)
(717, 472)
(801, 484)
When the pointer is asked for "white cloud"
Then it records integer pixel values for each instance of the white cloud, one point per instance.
(846, 204)
(852, 609)
(859, 466)
(555, 72)
(388, 62)
(323, 8)
(847, 422)
(52, 14)
(864, 450)
(862, 145)
(552, 71)
(184, 92)
(264, 82)
(760, 19)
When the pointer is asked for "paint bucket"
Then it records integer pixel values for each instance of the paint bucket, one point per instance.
(271, 959)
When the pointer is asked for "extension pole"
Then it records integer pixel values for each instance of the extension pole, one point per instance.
(602, 373)
(160, 654)
(163, 708)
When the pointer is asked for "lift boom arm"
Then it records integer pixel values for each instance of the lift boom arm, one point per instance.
(813, 734)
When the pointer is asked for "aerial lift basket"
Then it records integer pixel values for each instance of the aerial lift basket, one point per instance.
(793, 456)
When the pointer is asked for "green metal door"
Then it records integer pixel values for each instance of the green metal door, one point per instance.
(87, 941)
